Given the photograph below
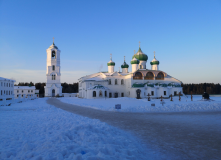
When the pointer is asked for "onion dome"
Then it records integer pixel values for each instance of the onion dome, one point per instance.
(154, 61)
(111, 63)
(134, 61)
(124, 65)
(140, 55)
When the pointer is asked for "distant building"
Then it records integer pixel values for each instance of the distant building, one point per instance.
(25, 91)
(53, 86)
(140, 83)
(6, 88)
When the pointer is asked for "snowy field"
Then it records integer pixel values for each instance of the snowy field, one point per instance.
(142, 105)
(36, 130)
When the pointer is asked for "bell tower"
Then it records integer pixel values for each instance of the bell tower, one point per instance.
(53, 86)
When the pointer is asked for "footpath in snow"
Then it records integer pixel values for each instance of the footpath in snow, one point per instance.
(142, 105)
(39, 131)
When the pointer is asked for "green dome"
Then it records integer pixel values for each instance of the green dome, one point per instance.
(124, 65)
(140, 55)
(110, 63)
(134, 61)
(155, 61)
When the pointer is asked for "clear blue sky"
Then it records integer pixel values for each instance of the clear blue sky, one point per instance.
(185, 34)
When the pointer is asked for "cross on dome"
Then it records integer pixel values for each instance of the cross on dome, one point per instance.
(139, 43)
(111, 56)
(124, 58)
(154, 54)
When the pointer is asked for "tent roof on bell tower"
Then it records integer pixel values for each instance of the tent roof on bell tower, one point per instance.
(53, 45)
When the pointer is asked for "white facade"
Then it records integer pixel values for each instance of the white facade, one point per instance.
(25, 91)
(6, 88)
(137, 84)
(53, 86)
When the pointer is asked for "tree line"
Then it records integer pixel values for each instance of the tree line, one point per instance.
(211, 88)
(66, 88)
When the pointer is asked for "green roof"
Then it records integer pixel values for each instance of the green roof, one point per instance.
(140, 55)
(134, 61)
(135, 85)
(163, 85)
(155, 62)
(111, 64)
(124, 65)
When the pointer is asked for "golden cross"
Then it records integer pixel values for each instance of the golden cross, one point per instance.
(111, 56)
(154, 54)
(53, 39)
(139, 43)
(124, 58)
(134, 52)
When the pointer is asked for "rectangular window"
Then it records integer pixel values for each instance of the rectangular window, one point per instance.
(28, 91)
(175, 93)
(31, 90)
(165, 93)
(152, 93)
(17, 91)
(122, 94)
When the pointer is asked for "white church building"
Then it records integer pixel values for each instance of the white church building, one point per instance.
(139, 83)
(53, 85)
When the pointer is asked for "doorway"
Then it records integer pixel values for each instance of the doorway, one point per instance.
(53, 93)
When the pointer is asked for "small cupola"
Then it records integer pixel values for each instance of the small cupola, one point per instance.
(154, 63)
(124, 67)
(111, 65)
(135, 63)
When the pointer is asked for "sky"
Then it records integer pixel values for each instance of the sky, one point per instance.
(185, 34)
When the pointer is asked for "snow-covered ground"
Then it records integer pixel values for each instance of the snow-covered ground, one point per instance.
(37, 130)
(142, 105)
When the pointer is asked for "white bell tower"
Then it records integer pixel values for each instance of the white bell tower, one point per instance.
(53, 85)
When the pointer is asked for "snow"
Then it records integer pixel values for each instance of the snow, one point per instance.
(39, 131)
(142, 105)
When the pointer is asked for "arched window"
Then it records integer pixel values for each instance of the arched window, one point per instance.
(100, 94)
(94, 93)
(109, 81)
(105, 93)
(110, 95)
(160, 76)
(122, 81)
(149, 75)
(54, 77)
(53, 67)
(122, 94)
(138, 75)
(53, 54)
(115, 81)
(1, 92)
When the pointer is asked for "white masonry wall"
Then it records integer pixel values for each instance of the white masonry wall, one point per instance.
(6, 88)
